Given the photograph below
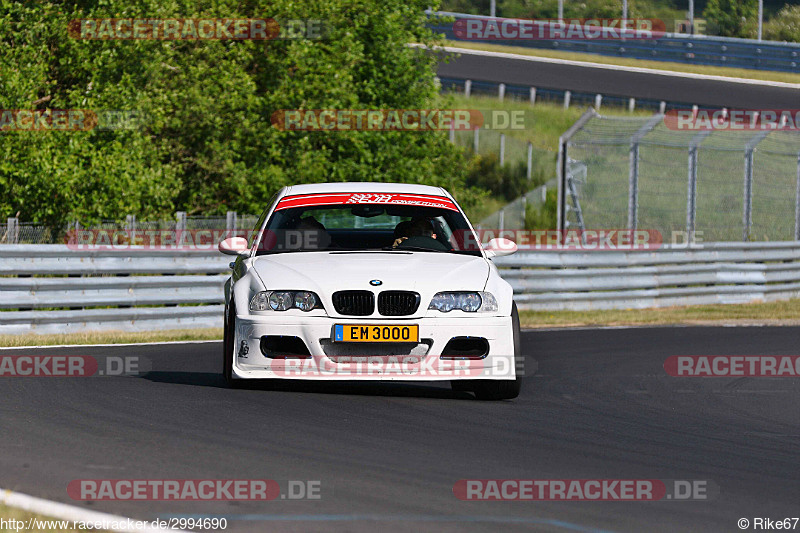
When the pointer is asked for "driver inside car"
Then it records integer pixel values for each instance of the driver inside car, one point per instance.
(419, 234)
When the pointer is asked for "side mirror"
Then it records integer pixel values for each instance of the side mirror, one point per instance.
(234, 246)
(499, 247)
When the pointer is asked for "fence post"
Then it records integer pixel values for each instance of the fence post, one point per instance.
(747, 215)
(476, 142)
(12, 230)
(180, 227)
(181, 218)
(502, 149)
(631, 104)
(130, 224)
(567, 95)
(533, 95)
(633, 185)
(633, 169)
(467, 88)
(530, 161)
(598, 99)
(797, 203)
(452, 133)
(691, 195)
(501, 91)
(662, 107)
(230, 222)
(562, 166)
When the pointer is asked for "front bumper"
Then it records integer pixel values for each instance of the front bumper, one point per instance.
(378, 361)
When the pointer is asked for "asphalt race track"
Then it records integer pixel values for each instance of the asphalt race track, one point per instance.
(600, 407)
(539, 74)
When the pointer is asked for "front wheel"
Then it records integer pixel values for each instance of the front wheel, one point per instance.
(503, 389)
(228, 349)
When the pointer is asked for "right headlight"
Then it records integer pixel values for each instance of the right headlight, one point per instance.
(469, 302)
(285, 300)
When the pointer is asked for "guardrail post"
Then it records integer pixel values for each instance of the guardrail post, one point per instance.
(502, 149)
(598, 100)
(530, 161)
(567, 96)
(476, 140)
(631, 104)
(467, 88)
(797, 203)
(533, 95)
(12, 230)
(662, 107)
(501, 91)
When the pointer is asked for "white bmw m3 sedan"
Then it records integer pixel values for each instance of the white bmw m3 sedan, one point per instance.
(370, 281)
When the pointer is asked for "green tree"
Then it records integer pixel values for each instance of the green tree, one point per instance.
(733, 18)
(207, 144)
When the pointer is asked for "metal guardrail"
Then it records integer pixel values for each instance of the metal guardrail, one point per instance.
(131, 290)
(676, 47)
(716, 273)
(139, 290)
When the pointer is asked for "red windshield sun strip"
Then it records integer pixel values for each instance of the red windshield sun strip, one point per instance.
(310, 200)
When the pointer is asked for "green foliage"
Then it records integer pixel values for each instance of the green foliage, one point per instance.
(733, 18)
(543, 217)
(208, 145)
(508, 181)
(785, 26)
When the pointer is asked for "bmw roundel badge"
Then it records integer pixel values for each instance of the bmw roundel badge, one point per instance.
(375, 282)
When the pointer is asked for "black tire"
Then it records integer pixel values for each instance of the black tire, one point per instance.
(504, 389)
(228, 351)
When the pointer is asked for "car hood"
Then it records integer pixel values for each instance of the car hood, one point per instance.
(328, 272)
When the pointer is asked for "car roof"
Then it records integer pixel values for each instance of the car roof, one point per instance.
(364, 186)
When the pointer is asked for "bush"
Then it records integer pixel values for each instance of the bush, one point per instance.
(785, 26)
(508, 181)
(543, 217)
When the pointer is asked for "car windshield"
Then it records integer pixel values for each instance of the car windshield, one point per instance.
(298, 225)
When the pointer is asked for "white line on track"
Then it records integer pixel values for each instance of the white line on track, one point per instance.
(103, 345)
(589, 64)
(62, 511)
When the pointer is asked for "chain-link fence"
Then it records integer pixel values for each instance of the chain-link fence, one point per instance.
(640, 173)
(15, 232)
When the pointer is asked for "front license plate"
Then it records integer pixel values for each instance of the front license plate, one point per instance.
(374, 333)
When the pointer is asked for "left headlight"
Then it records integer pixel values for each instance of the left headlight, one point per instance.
(285, 300)
(470, 302)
